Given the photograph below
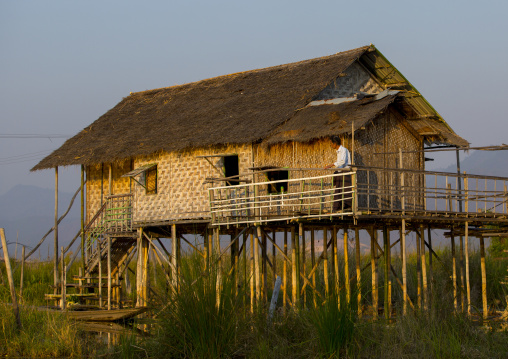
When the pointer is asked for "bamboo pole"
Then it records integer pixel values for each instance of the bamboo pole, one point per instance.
(346, 266)
(284, 270)
(313, 262)
(454, 272)
(325, 262)
(264, 269)
(419, 269)
(63, 284)
(83, 216)
(303, 253)
(22, 273)
(217, 255)
(375, 304)
(335, 264)
(484, 279)
(174, 274)
(386, 242)
(404, 264)
(424, 270)
(236, 264)
(358, 271)
(55, 274)
(244, 282)
(466, 254)
(274, 257)
(431, 274)
(109, 271)
(294, 288)
(462, 274)
(297, 257)
(8, 269)
(466, 247)
(99, 248)
(257, 266)
(252, 275)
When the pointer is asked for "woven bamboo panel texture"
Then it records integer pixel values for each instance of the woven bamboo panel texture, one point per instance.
(355, 79)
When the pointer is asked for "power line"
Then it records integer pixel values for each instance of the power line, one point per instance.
(25, 135)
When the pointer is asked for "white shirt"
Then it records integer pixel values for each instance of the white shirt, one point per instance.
(343, 158)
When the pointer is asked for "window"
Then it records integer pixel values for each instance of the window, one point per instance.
(147, 177)
(231, 169)
(151, 180)
(278, 187)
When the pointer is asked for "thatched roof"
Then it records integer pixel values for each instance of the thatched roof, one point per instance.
(315, 122)
(239, 108)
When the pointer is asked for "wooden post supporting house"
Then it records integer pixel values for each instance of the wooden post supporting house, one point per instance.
(404, 265)
(373, 240)
(346, 267)
(174, 266)
(83, 257)
(386, 241)
(424, 269)
(55, 260)
(313, 263)
(325, 262)
(484, 279)
(358, 271)
(252, 273)
(284, 270)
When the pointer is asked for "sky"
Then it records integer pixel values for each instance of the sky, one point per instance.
(65, 63)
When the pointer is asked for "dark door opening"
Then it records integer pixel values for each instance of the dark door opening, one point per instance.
(231, 169)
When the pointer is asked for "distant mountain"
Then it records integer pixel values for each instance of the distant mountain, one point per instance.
(488, 163)
(30, 210)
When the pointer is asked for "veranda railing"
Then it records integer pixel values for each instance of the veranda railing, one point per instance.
(373, 190)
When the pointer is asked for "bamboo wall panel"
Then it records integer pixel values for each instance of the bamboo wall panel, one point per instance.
(355, 80)
(181, 192)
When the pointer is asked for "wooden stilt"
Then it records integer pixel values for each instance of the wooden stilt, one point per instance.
(83, 216)
(109, 271)
(404, 265)
(431, 274)
(325, 262)
(454, 272)
(236, 247)
(419, 269)
(80, 280)
(99, 248)
(298, 264)
(373, 250)
(303, 253)
(294, 259)
(206, 252)
(10, 279)
(257, 265)
(245, 264)
(386, 253)
(252, 274)
(424, 270)
(284, 270)
(484, 279)
(313, 263)
(358, 271)
(462, 275)
(55, 276)
(174, 266)
(274, 257)
(21, 276)
(264, 268)
(118, 290)
(466, 254)
(335, 265)
(346, 266)
(63, 284)
(217, 254)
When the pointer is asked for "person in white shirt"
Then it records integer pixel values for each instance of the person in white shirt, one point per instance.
(341, 183)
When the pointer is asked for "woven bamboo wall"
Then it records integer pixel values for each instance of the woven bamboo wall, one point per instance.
(181, 192)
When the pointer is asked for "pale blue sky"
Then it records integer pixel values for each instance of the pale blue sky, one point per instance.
(65, 63)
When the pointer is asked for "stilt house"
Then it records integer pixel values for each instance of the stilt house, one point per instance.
(247, 150)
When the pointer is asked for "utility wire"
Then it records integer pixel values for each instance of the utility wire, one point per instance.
(24, 135)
